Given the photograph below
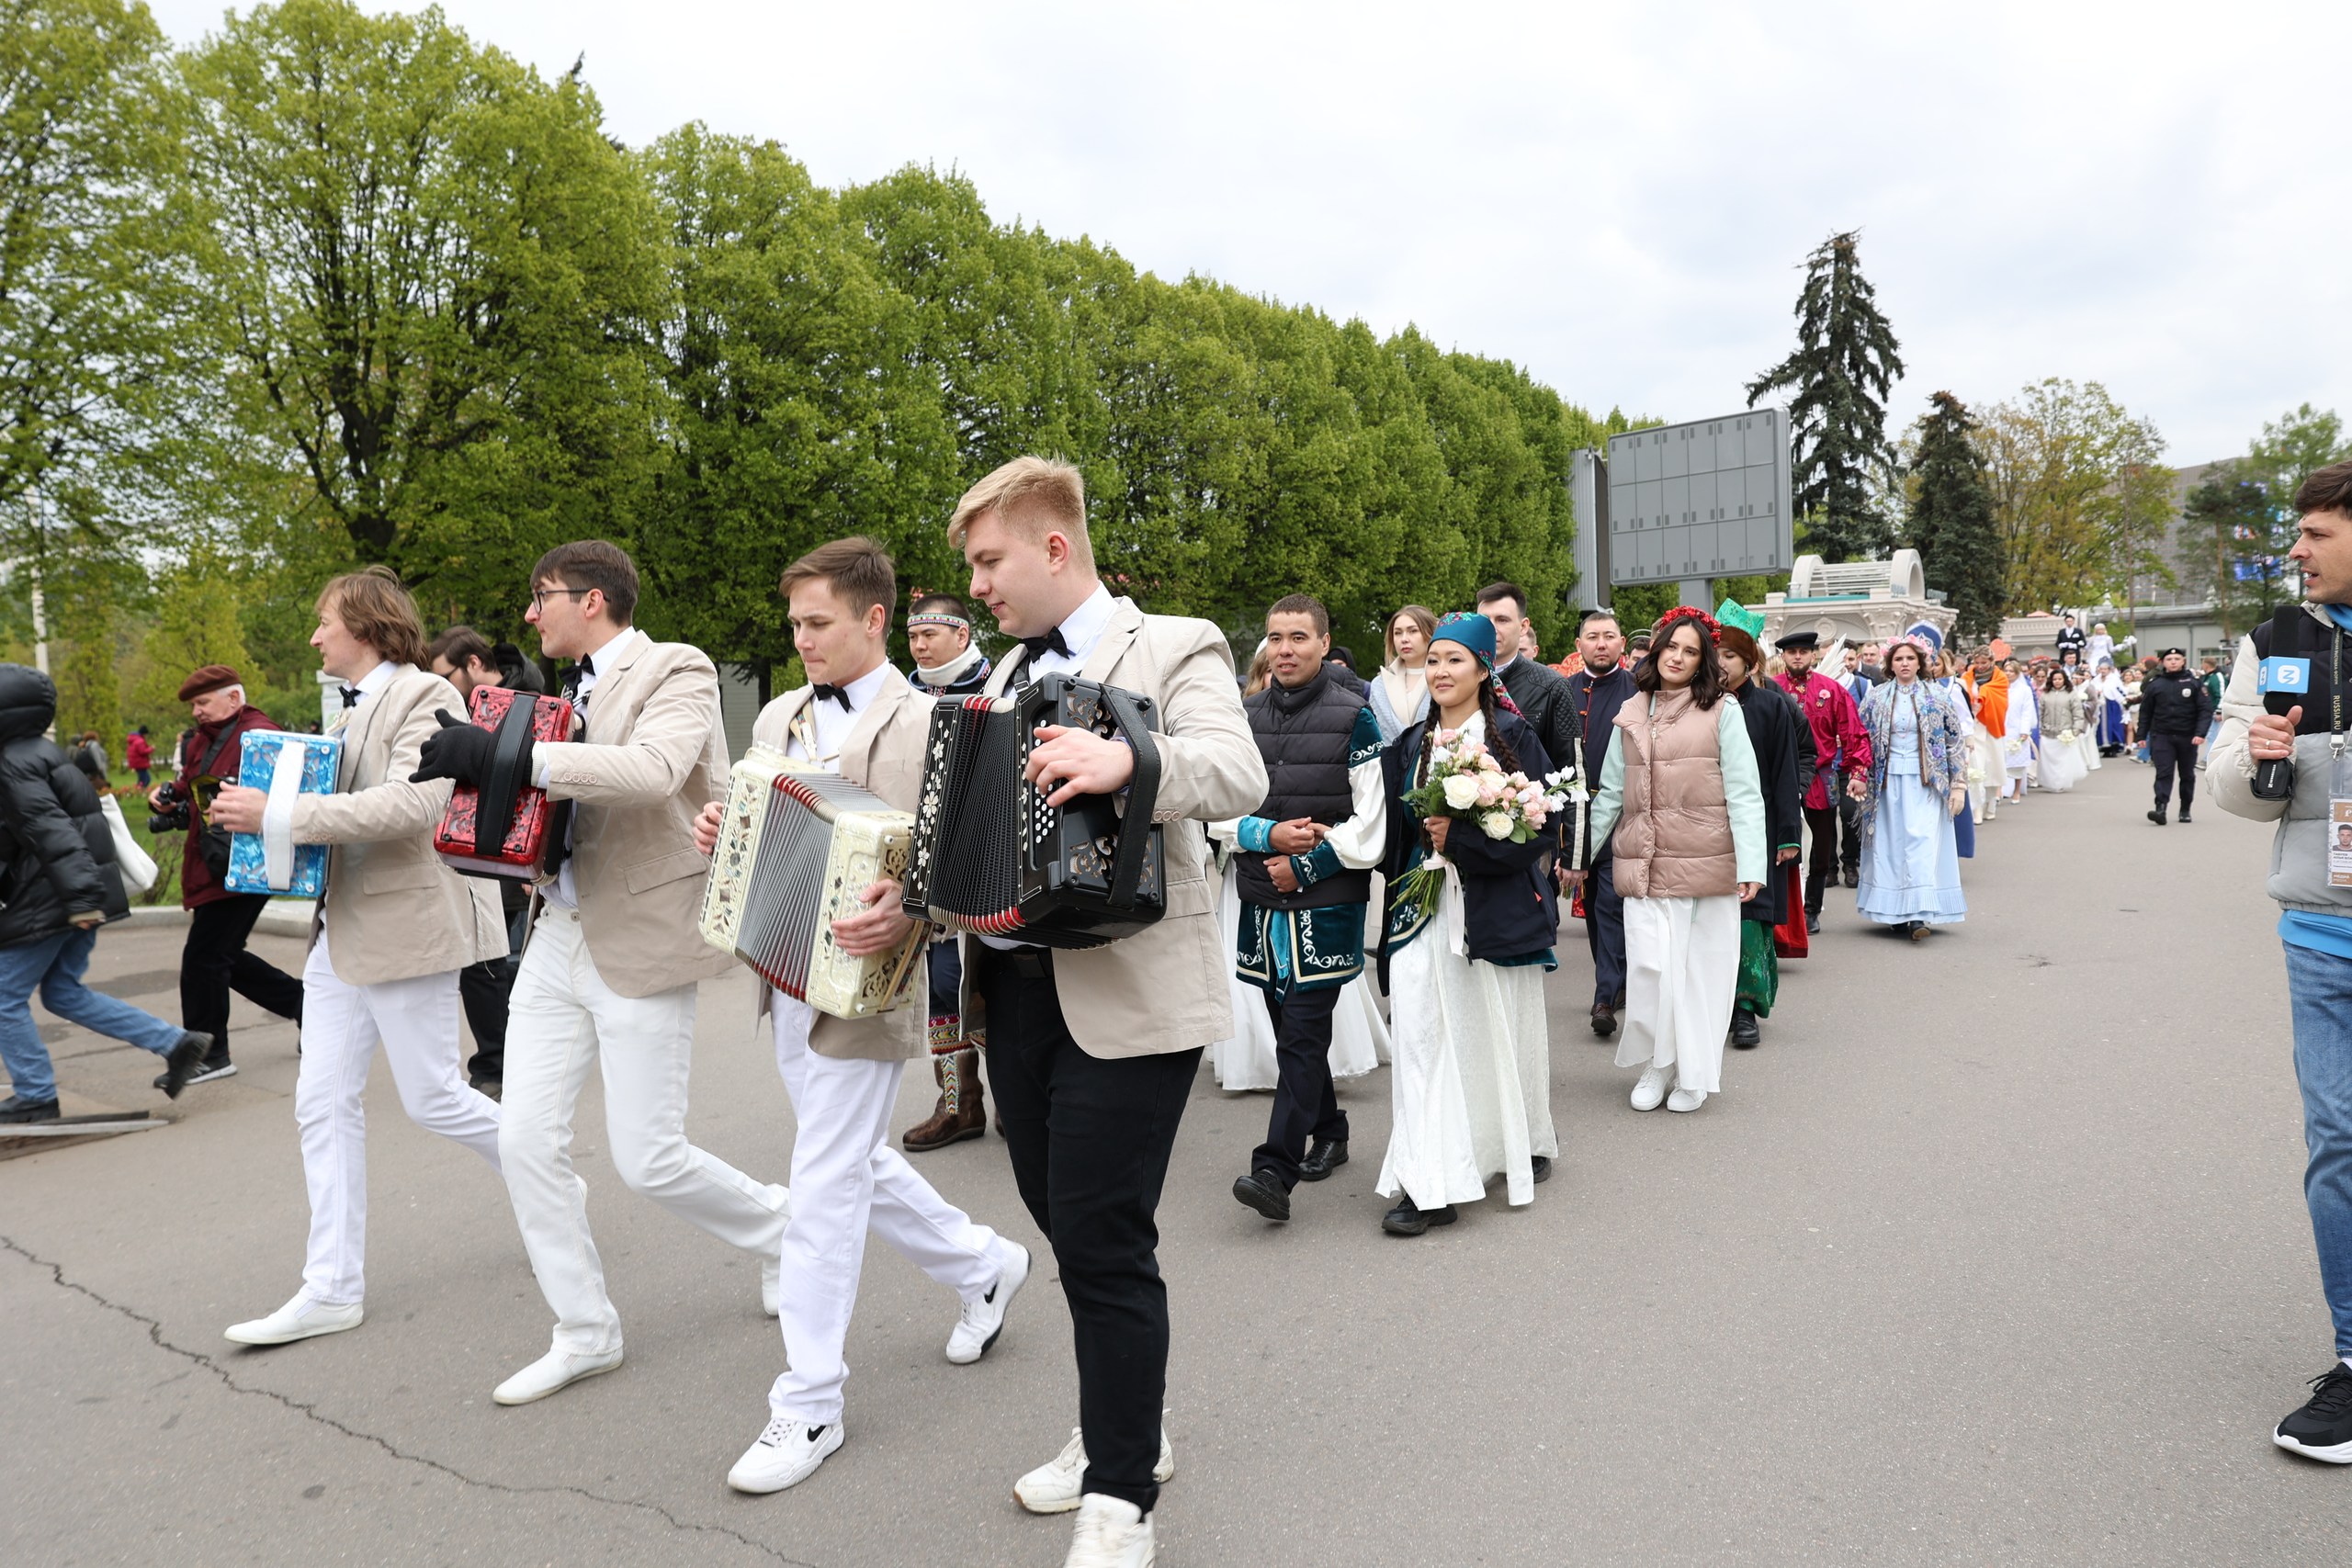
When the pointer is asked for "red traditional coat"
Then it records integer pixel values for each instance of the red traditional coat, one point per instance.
(1840, 743)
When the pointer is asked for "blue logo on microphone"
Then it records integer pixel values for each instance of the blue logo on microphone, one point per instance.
(2285, 675)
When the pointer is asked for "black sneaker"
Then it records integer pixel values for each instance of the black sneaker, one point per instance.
(2322, 1429)
(184, 1061)
(1326, 1155)
(1264, 1191)
(205, 1073)
(1406, 1219)
(18, 1108)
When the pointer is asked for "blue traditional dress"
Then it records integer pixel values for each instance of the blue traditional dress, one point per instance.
(1910, 856)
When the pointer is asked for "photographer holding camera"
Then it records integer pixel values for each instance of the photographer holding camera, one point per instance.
(2281, 758)
(220, 923)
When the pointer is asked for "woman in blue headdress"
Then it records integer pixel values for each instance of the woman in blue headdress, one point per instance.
(1471, 1081)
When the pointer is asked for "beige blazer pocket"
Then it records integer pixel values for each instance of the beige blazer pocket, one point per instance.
(673, 867)
(400, 878)
(1189, 897)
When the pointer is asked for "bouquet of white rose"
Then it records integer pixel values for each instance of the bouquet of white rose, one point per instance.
(1466, 784)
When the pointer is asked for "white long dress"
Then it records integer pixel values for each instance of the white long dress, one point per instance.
(1471, 1081)
(1245, 1062)
(2017, 746)
(2060, 767)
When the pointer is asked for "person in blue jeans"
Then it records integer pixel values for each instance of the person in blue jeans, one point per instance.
(58, 885)
(2315, 915)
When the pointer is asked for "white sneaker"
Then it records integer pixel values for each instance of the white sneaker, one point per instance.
(786, 1454)
(1110, 1534)
(1685, 1099)
(1052, 1488)
(302, 1318)
(772, 1286)
(983, 1320)
(1649, 1089)
(556, 1371)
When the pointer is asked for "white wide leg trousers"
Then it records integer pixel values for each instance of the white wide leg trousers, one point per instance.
(1681, 967)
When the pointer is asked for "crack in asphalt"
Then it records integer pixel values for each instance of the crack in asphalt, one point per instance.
(155, 1333)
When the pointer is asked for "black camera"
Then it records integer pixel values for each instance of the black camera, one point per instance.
(173, 815)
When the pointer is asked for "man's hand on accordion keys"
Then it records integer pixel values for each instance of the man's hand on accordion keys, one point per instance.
(706, 827)
(238, 808)
(879, 928)
(1067, 763)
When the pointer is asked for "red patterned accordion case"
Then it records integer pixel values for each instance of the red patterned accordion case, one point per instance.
(518, 853)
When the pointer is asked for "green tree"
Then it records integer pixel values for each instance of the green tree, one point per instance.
(2081, 495)
(1846, 360)
(92, 280)
(434, 278)
(2238, 521)
(1952, 522)
(196, 625)
(2291, 447)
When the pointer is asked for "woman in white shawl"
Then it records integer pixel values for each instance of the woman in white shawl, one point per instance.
(1400, 691)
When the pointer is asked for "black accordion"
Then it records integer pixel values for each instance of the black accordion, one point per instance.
(989, 855)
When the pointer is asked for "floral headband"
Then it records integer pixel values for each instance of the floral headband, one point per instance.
(1916, 644)
(1705, 623)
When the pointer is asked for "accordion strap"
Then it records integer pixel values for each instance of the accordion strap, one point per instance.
(1143, 797)
(494, 805)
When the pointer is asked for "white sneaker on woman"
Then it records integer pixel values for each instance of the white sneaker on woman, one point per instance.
(1649, 1089)
(1110, 1534)
(1685, 1099)
(1053, 1487)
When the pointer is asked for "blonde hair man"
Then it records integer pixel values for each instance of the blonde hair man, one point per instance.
(1112, 1035)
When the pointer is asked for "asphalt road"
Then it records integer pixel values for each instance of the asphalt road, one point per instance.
(1995, 1253)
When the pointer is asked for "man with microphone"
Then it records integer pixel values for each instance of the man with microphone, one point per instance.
(2280, 758)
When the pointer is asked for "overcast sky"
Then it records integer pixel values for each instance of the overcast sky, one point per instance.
(2154, 196)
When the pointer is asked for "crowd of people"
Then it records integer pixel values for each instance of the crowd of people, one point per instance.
(1355, 869)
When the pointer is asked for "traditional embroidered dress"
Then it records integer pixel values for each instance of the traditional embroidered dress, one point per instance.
(1245, 1062)
(1910, 856)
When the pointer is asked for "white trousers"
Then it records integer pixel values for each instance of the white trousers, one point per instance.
(416, 1021)
(846, 1177)
(562, 1020)
(1681, 967)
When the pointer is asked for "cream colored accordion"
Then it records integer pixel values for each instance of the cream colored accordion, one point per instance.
(794, 850)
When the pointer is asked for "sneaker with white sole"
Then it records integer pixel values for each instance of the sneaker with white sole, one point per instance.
(1053, 1487)
(302, 1318)
(983, 1320)
(786, 1454)
(1649, 1089)
(205, 1073)
(1112, 1533)
(1685, 1099)
(2322, 1429)
(553, 1372)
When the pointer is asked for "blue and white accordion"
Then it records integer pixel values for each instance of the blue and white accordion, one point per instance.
(286, 764)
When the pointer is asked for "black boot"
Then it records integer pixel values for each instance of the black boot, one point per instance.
(2157, 816)
(1324, 1155)
(1745, 1034)
(15, 1108)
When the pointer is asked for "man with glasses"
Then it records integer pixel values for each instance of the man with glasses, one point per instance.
(609, 971)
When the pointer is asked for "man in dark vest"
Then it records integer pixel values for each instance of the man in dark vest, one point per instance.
(1599, 690)
(1305, 862)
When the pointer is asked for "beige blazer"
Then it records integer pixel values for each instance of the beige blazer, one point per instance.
(394, 909)
(1166, 987)
(884, 753)
(652, 757)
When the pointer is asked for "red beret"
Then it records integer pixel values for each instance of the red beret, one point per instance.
(211, 678)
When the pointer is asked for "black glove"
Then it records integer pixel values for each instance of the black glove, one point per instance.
(461, 752)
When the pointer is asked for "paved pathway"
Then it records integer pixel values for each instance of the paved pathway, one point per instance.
(1995, 1253)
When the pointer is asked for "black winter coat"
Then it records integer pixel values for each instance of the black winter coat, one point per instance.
(56, 847)
(1774, 722)
(2175, 705)
(1509, 909)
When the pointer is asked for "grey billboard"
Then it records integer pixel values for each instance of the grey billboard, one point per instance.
(1705, 499)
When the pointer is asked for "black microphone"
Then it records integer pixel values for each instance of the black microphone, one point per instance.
(2285, 685)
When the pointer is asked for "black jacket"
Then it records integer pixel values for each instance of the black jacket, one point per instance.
(2175, 705)
(1597, 702)
(59, 851)
(1508, 907)
(1549, 707)
(1774, 722)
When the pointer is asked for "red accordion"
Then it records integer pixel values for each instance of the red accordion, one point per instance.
(499, 827)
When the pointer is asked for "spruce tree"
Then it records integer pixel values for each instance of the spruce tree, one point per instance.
(1952, 524)
(1847, 358)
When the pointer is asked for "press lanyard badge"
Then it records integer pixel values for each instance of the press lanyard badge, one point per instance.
(2339, 775)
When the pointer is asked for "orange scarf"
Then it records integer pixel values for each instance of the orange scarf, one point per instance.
(1993, 706)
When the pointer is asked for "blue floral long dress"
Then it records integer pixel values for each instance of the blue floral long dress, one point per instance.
(1910, 855)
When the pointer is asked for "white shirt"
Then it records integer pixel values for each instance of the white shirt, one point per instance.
(367, 685)
(600, 660)
(834, 722)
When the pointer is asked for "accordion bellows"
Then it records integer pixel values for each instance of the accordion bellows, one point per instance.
(286, 764)
(994, 857)
(508, 811)
(795, 849)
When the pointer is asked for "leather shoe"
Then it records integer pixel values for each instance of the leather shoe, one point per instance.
(1326, 1155)
(1604, 1020)
(2157, 816)
(556, 1371)
(2184, 817)
(16, 1108)
(1852, 877)
(1407, 1219)
(1745, 1035)
(1812, 923)
(1542, 1164)
(1264, 1191)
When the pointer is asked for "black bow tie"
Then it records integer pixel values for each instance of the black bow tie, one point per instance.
(1052, 642)
(351, 696)
(825, 693)
(577, 673)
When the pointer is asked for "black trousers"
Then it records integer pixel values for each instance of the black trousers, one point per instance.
(1850, 833)
(483, 989)
(1305, 1105)
(1604, 933)
(214, 963)
(1821, 866)
(2164, 751)
(1090, 1139)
